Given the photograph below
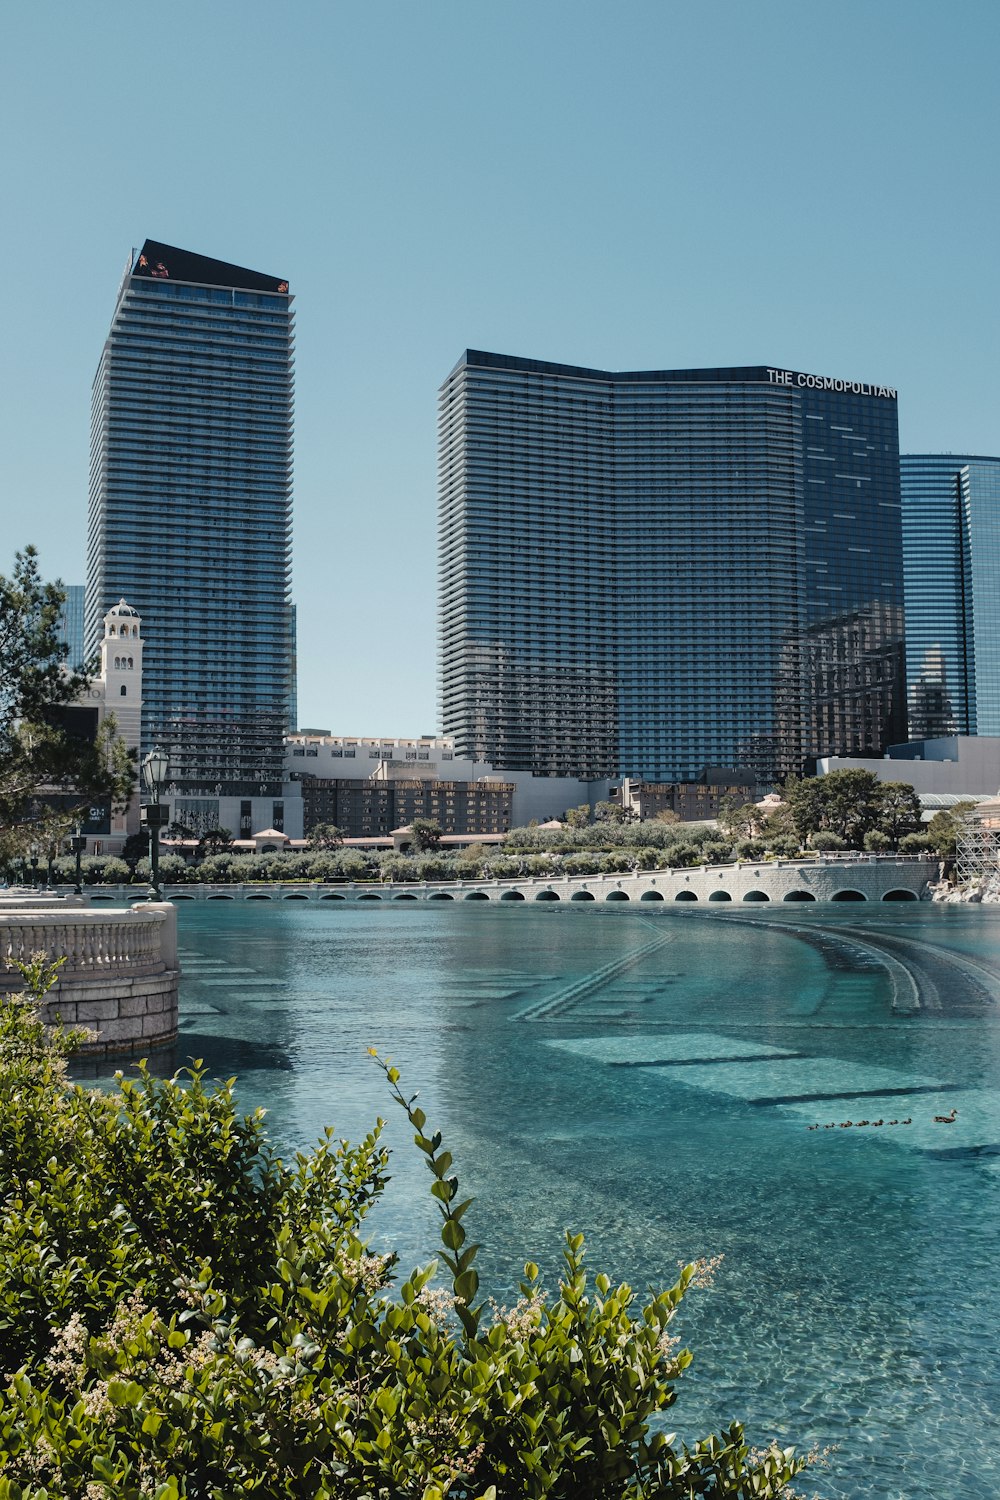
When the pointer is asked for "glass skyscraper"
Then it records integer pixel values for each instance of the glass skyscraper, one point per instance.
(656, 573)
(951, 557)
(190, 510)
(71, 624)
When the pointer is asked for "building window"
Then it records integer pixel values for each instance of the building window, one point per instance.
(278, 816)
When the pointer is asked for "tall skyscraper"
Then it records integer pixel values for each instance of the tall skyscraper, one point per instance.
(658, 572)
(190, 513)
(71, 624)
(951, 563)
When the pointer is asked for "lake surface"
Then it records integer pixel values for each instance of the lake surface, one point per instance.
(650, 1079)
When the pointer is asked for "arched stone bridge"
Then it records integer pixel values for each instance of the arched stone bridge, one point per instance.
(862, 878)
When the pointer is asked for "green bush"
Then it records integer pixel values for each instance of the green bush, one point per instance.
(784, 846)
(173, 870)
(104, 870)
(916, 843)
(183, 1314)
(827, 843)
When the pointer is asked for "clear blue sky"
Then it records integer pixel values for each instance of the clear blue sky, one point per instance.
(807, 183)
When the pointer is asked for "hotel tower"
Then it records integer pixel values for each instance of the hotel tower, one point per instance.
(190, 514)
(659, 573)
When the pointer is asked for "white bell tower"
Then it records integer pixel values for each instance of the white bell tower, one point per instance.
(121, 678)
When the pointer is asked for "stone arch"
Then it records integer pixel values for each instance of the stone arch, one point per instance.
(617, 896)
(512, 896)
(651, 896)
(295, 896)
(476, 896)
(330, 896)
(369, 896)
(848, 895)
(176, 896)
(756, 896)
(124, 691)
(547, 896)
(258, 896)
(404, 896)
(135, 631)
(798, 896)
(685, 896)
(582, 896)
(219, 897)
(720, 896)
(440, 896)
(900, 895)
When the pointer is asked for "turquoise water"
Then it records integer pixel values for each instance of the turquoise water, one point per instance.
(650, 1079)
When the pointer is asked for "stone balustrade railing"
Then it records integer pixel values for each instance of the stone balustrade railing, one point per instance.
(120, 974)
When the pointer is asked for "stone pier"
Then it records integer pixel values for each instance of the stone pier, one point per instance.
(120, 975)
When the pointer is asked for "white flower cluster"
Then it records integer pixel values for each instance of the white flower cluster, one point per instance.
(437, 1304)
(523, 1319)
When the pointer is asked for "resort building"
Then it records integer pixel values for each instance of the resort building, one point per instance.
(190, 518)
(116, 690)
(689, 801)
(952, 766)
(376, 807)
(951, 575)
(368, 785)
(646, 574)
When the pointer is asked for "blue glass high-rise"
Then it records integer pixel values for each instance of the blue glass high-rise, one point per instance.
(658, 572)
(951, 556)
(190, 510)
(71, 624)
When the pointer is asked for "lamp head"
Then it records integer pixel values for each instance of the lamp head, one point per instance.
(154, 770)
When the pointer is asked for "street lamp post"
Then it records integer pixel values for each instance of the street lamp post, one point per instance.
(153, 815)
(77, 844)
(34, 852)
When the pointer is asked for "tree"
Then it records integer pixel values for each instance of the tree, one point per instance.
(610, 812)
(136, 847)
(851, 804)
(425, 835)
(187, 1314)
(178, 830)
(900, 812)
(741, 820)
(325, 836)
(947, 826)
(213, 841)
(49, 775)
(578, 817)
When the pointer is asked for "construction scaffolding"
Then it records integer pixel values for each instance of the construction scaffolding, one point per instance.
(978, 854)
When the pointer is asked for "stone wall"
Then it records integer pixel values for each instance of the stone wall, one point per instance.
(120, 975)
(842, 877)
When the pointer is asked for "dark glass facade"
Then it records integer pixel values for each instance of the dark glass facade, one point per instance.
(951, 552)
(190, 510)
(71, 624)
(653, 573)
